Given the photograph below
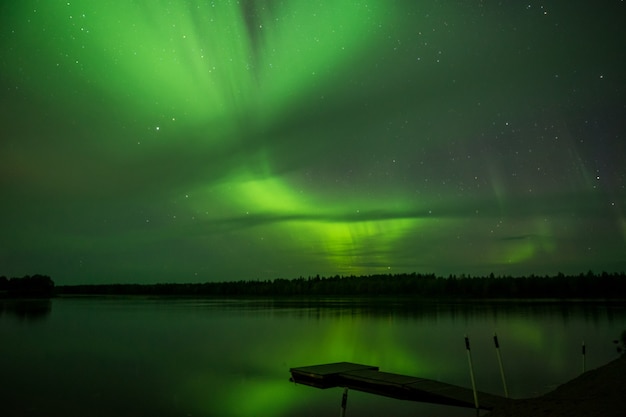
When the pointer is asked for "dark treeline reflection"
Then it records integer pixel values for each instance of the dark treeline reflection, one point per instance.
(407, 308)
(26, 309)
(585, 286)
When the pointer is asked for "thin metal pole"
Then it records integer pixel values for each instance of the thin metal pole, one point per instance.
(344, 402)
(495, 341)
(471, 367)
(584, 350)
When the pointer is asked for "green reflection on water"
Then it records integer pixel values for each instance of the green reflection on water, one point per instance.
(232, 358)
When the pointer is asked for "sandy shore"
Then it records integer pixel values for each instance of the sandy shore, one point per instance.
(600, 392)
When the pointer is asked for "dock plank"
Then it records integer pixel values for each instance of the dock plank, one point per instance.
(369, 379)
(332, 368)
(326, 375)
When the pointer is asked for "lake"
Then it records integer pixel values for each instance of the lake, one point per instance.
(101, 356)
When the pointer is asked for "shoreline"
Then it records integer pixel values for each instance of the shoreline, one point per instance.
(596, 393)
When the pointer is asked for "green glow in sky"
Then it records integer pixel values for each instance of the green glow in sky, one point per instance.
(166, 141)
(205, 62)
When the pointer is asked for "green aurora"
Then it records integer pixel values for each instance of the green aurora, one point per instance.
(154, 141)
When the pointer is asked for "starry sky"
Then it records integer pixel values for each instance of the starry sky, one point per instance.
(195, 140)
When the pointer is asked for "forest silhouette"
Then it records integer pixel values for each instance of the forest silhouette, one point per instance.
(583, 286)
(35, 286)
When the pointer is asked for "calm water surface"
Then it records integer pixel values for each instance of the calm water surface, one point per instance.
(162, 357)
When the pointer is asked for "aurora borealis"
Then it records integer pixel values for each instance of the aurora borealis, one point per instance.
(178, 141)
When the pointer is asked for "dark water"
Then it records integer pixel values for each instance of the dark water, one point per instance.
(143, 357)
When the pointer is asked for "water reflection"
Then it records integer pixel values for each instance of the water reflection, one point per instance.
(134, 356)
(326, 308)
(26, 309)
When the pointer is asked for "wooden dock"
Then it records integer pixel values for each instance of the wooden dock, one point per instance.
(369, 379)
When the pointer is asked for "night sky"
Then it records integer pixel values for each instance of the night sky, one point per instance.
(186, 141)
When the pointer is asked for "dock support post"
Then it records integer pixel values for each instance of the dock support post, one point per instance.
(344, 402)
(471, 367)
(495, 341)
(584, 351)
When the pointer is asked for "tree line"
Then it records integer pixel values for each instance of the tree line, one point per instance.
(27, 286)
(583, 286)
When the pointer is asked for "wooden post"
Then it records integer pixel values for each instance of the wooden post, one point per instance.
(471, 367)
(495, 341)
(584, 351)
(344, 402)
